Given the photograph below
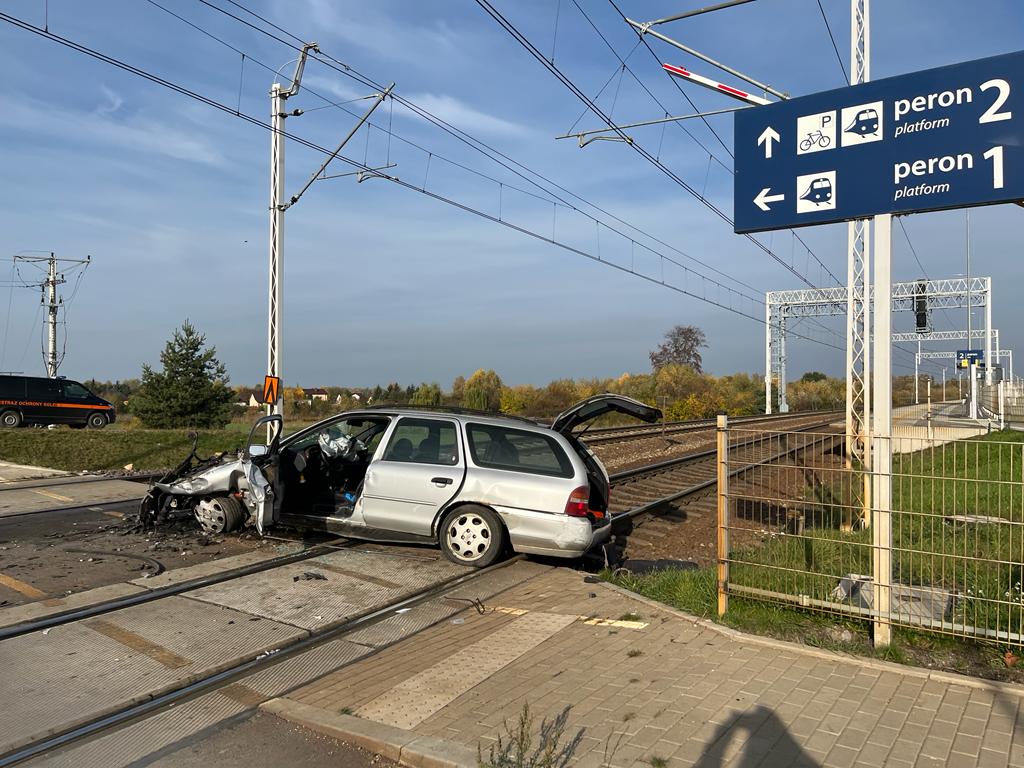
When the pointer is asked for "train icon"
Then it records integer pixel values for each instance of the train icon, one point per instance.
(819, 191)
(864, 124)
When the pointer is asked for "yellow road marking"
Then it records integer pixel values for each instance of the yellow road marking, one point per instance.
(136, 642)
(52, 495)
(509, 611)
(20, 586)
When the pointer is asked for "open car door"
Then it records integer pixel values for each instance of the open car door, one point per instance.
(263, 471)
(598, 405)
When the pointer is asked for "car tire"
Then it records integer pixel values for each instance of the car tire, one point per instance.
(472, 535)
(10, 419)
(220, 514)
(96, 420)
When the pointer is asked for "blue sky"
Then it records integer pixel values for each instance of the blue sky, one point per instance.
(382, 283)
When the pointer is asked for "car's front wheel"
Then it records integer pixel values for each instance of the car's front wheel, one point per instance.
(97, 420)
(10, 419)
(472, 535)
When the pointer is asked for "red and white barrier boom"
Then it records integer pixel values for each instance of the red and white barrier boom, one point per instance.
(714, 85)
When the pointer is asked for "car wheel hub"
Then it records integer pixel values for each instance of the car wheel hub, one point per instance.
(469, 536)
(211, 515)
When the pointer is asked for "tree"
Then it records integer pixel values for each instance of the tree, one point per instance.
(426, 394)
(813, 376)
(192, 389)
(681, 346)
(483, 391)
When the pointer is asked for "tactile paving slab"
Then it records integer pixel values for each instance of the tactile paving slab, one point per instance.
(414, 700)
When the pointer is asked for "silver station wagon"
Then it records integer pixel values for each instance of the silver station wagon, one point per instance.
(472, 483)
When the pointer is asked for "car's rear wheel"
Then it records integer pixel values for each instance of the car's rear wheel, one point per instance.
(472, 535)
(220, 514)
(96, 420)
(10, 419)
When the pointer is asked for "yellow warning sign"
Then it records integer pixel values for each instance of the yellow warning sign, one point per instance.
(271, 389)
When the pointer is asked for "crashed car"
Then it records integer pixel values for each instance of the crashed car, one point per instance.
(472, 483)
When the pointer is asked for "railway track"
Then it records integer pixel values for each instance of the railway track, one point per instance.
(642, 431)
(652, 496)
(222, 675)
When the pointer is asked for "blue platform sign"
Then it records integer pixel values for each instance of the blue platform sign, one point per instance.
(964, 357)
(951, 137)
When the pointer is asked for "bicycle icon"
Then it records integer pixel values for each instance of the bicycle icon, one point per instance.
(815, 138)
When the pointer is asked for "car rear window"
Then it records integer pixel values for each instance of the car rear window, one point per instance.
(517, 450)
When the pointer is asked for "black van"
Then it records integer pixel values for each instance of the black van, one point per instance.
(35, 400)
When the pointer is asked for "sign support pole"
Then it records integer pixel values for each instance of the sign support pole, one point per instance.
(858, 282)
(768, 356)
(881, 432)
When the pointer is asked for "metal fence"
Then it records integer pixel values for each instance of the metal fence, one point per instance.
(797, 524)
(1003, 401)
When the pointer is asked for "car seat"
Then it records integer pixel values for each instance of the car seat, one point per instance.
(501, 451)
(401, 450)
(428, 450)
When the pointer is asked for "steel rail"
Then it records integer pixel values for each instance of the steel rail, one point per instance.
(612, 434)
(61, 480)
(97, 609)
(135, 712)
(697, 458)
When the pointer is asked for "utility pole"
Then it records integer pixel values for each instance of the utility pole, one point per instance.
(50, 299)
(278, 96)
(278, 205)
(51, 316)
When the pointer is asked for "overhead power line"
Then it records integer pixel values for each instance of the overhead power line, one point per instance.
(519, 37)
(534, 178)
(159, 80)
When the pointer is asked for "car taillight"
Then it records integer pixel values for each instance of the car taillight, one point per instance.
(579, 502)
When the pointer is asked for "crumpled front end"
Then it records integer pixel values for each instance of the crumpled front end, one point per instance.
(221, 497)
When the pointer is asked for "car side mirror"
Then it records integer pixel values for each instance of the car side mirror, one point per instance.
(256, 450)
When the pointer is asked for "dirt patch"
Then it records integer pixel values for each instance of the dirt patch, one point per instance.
(34, 550)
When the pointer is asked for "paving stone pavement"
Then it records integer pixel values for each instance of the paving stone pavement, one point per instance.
(684, 692)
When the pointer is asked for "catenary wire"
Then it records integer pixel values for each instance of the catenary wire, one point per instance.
(209, 101)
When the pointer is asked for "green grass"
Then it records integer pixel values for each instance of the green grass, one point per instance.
(980, 563)
(695, 593)
(121, 443)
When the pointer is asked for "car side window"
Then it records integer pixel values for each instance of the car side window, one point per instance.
(367, 429)
(424, 441)
(517, 450)
(75, 391)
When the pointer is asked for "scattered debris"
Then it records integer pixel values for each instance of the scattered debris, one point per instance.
(909, 603)
(975, 519)
(650, 566)
(457, 621)
(310, 576)
(155, 566)
(1010, 659)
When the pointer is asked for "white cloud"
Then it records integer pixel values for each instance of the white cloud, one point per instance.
(114, 102)
(468, 118)
(137, 132)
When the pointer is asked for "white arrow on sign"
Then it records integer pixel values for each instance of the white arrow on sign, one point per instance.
(766, 138)
(763, 198)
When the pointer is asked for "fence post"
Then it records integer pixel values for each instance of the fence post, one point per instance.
(1002, 406)
(722, 440)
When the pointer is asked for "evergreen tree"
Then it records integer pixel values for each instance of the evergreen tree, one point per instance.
(192, 389)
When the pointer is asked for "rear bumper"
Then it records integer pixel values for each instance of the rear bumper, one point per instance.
(543, 533)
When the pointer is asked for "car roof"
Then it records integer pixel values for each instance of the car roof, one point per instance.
(461, 414)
